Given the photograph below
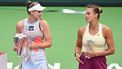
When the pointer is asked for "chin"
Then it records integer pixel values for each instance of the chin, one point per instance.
(88, 21)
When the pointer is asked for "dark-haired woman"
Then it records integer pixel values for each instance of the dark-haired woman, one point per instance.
(38, 30)
(94, 41)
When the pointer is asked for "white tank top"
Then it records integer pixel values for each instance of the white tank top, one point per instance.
(32, 30)
(95, 42)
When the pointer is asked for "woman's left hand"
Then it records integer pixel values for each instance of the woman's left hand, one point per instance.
(90, 54)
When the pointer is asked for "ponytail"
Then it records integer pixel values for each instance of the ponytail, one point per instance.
(28, 5)
(100, 10)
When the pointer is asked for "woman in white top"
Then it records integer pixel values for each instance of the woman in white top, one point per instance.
(94, 42)
(38, 31)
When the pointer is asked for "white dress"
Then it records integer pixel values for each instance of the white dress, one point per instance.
(38, 58)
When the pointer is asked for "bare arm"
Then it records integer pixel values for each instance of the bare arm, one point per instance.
(79, 42)
(78, 47)
(109, 41)
(19, 27)
(47, 36)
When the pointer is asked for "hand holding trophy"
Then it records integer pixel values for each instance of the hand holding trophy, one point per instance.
(19, 43)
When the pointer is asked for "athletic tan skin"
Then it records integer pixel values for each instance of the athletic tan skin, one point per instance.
(92, 19)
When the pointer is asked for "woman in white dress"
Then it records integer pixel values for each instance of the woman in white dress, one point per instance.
(38, 30)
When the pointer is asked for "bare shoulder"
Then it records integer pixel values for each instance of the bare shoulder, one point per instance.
(106, 31)
(81, 30)
(20, 23)
(19, 26)
(106, 28)
(43, 22)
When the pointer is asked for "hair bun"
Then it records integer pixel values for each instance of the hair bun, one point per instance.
(28, 2)
(100, 10)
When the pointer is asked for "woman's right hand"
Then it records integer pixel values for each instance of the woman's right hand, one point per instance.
(15, 48)
(77, 56)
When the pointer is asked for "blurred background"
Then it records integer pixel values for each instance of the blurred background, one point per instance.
(64, 27)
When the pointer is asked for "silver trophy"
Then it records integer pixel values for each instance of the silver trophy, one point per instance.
(20, 40)
(24, 42)
(26, 52)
